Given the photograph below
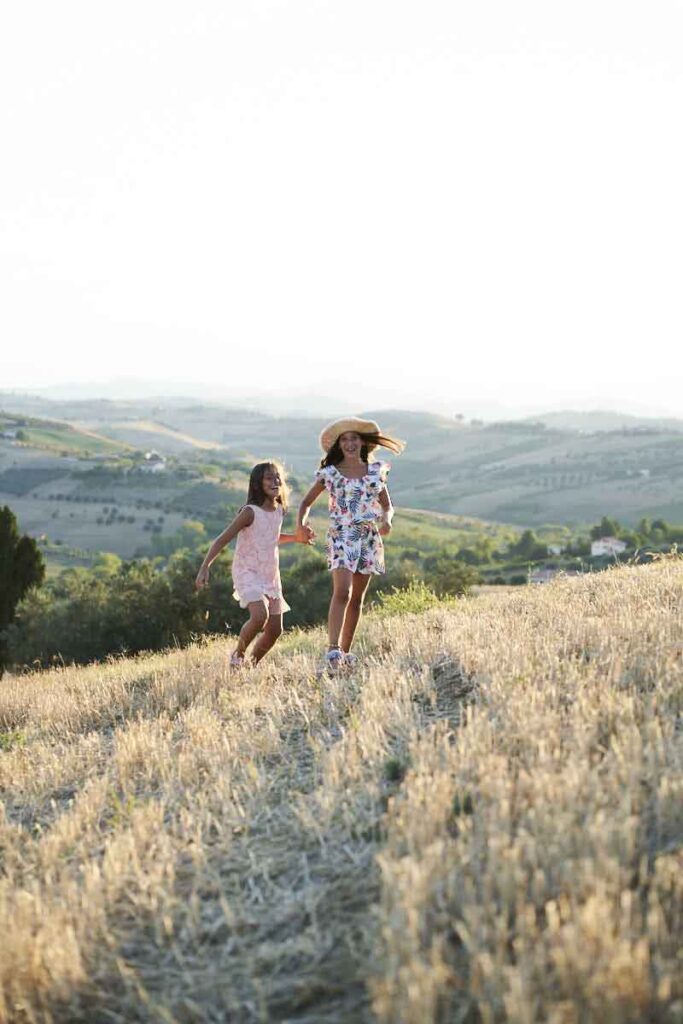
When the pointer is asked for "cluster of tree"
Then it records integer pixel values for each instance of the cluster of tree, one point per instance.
(149, 604)
(648, 532)
(85, 615)
(21, 568)
(529, 549)
(127, 607)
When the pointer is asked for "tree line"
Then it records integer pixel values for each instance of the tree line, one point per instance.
(117, 607)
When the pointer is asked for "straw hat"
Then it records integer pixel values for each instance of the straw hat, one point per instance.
(334, 430)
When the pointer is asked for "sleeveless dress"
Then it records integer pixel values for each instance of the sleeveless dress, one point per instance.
(353, 540)
(256, 564)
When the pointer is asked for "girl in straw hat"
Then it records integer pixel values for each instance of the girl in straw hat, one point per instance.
(360, 515)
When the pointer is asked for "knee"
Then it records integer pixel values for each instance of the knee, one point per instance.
(342, 595)
(356, 601)
(275, 628)
(260, 618)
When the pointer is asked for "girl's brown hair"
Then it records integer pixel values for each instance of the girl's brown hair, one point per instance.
(369, 442)
(256, 494)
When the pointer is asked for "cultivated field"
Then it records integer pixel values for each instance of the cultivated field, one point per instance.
(483, 824)
(559, 468)
(85, 526)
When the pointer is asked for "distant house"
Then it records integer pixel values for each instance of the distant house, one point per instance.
(154, 463)
(611, 546)
(9, 435)
(555, 549)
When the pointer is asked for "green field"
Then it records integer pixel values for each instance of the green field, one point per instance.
(59, 437)
(565, 468)
(71, 441)
(458, 485)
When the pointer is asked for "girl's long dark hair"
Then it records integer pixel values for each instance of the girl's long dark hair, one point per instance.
(369, 442)
(256, 494)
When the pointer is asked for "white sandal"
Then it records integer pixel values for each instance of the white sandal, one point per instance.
(334, 659)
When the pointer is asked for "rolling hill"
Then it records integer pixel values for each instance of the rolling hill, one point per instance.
(526, 472)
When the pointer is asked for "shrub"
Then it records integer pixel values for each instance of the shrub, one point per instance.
(416, 597)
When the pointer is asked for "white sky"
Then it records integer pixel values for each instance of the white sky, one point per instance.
(447, 200)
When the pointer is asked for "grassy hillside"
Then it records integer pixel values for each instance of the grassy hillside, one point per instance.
(100, 506)
(146, 433)
(484, 823)
(423, 531)
(558, 468)
(60, 437)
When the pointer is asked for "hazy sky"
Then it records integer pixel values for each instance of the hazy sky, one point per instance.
(447, 201)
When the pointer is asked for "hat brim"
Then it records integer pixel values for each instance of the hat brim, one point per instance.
(334, 430)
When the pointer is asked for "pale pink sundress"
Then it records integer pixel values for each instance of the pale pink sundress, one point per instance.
(256, 565)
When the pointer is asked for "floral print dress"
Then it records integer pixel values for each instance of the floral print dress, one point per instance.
(353, 540)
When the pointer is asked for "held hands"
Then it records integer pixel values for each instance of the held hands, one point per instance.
(304, 535)
(384, 528)
(202, 578)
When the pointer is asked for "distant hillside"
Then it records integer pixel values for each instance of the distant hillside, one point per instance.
(561, 467)
(598, 421)
(58, 436)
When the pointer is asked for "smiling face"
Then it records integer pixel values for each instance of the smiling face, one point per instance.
(272, 482)
(350, 444)
(267, 484)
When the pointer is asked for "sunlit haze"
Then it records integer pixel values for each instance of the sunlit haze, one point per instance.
(436, 205)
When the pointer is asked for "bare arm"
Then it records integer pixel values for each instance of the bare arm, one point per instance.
(303, 535)
(384, 499)
(308, 499)
(243, 518)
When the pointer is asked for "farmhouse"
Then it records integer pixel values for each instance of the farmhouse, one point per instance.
(607, 546)
(154, 463)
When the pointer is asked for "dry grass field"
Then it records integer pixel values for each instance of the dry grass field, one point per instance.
(483, 824)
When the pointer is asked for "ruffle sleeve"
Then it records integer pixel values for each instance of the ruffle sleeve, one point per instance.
(324, 475)
(378, 473)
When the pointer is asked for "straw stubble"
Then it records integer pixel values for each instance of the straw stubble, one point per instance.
(484, 823)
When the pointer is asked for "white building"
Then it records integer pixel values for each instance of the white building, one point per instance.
(607, 546)
(154, 463)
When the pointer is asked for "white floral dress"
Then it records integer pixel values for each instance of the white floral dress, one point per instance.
(353, 540)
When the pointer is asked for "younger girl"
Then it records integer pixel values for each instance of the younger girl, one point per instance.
(256, 565)
(360, 515)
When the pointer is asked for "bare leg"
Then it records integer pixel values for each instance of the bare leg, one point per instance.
(354, 609)
(258, 617)
(341, 593)
(272, 630)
